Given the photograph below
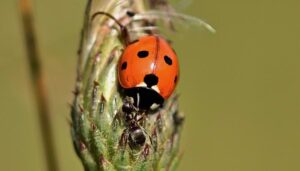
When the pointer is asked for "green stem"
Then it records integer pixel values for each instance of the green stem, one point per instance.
(38, 84)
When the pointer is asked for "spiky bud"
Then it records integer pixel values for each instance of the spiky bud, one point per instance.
(102, 138)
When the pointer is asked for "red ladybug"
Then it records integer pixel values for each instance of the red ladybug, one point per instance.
(148, 69)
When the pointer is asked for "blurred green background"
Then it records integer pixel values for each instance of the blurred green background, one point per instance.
(239, 88)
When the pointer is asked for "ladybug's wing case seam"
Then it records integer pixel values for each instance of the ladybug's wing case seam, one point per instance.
(156, 55)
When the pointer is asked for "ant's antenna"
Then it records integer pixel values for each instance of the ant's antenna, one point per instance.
(124, 31)
(138, 99)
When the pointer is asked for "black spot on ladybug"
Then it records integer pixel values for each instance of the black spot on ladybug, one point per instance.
(143, 54)
(124, 66)
(175, 80)
(168, 60)
(151, 80)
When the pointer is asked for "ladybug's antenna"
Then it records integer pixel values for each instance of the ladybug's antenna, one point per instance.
(108, 15)
(124, 31)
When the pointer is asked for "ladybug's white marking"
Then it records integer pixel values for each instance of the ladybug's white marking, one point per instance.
(143, 84)
(154, 106)
(155, 88)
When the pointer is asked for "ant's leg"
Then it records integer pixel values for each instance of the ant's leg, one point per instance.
(141, 120)
(150, 138)
(117, 120)
(124, 139)
(146, 151)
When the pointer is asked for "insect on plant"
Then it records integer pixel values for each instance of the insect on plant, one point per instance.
(148, 72)
(125, 111)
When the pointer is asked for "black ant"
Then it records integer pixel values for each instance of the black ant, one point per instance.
(134, 120)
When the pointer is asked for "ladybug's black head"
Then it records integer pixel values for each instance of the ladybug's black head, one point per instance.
(145, 98)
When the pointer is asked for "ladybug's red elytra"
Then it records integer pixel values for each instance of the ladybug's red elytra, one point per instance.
(148, 69)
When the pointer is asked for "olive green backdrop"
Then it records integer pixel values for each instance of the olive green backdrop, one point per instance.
(239, 88)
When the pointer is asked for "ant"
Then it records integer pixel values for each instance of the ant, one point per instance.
(134, 120)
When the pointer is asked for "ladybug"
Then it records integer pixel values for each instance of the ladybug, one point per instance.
(148, 69)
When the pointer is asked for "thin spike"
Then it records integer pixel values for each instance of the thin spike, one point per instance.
(142, 29)
(153, 14)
